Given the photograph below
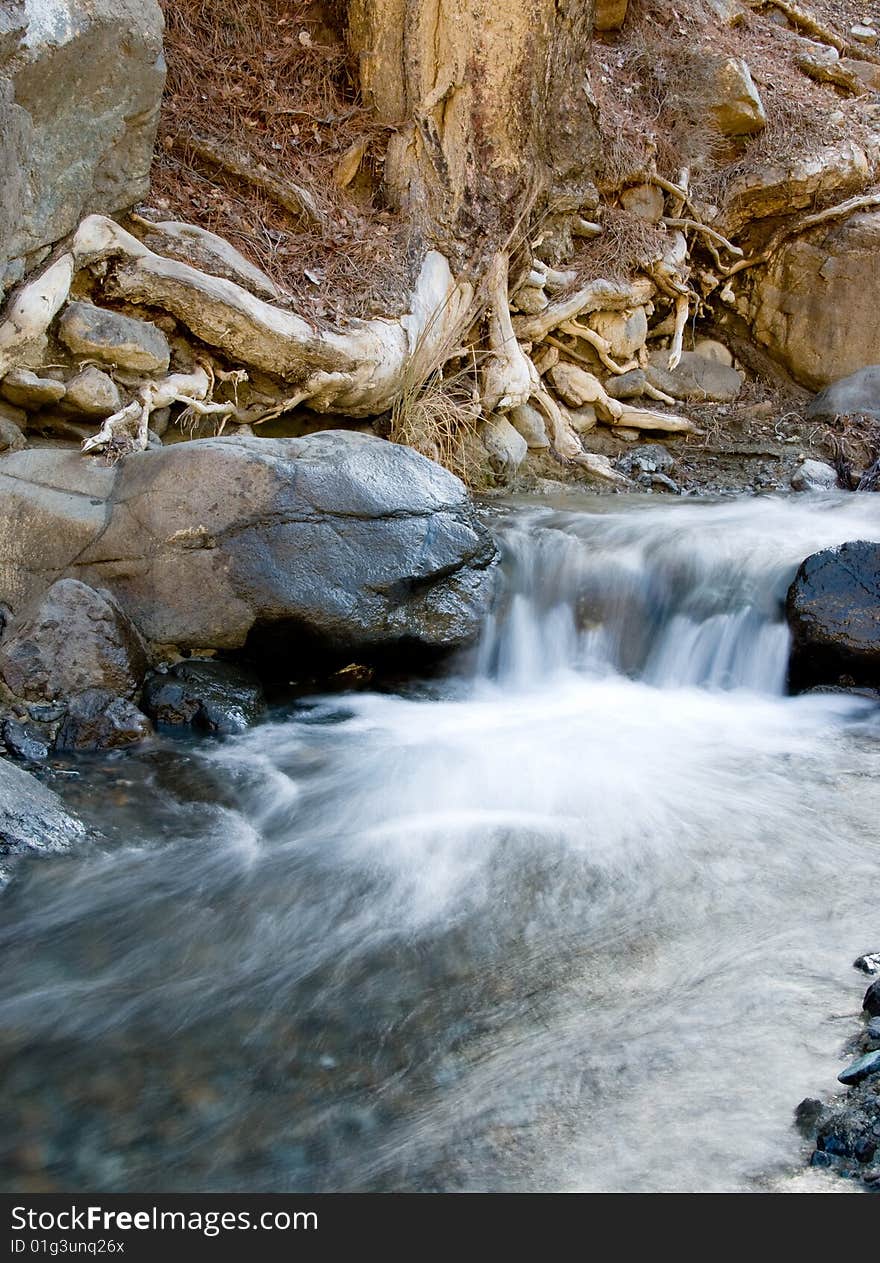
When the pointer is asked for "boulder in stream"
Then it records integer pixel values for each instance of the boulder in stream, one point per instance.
(216, 696)
(32, 818)
(338, 541)
(833, 610)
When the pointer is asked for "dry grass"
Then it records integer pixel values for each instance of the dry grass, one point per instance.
(854, 445)
(628, 244)
(271, 81)
(439, 419)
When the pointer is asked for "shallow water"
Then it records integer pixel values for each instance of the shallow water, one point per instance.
(578, 917)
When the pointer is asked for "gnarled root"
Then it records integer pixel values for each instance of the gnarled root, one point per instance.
(128, 429)
(32, 311)
(358, 371)
(506, 377)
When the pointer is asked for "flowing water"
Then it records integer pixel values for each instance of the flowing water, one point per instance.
(579, 916)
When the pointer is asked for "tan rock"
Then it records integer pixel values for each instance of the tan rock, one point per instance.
(610, 15)
(11, 437)
(17, 416)
(645, 200)
(600, 468)
(530, 300)
(575, 386)
(92, 393)
(25, 389)
(867, 72)
(710, 349)
(815, 306)
(583, 419)
(737, 108)
(545, 358)
(627, 332)
(780, 188)
(529, 422)
(506, 446)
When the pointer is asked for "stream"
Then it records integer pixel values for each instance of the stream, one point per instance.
(578, 915)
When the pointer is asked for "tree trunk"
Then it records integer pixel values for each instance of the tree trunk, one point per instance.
(492, 107)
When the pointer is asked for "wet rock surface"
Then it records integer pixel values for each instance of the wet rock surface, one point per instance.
(339, 538)
(216, 697)
(833, 610)
(98, 720)
(846, 1130)
(32, 817)
(71, 639)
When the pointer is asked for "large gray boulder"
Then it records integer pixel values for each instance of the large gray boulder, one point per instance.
(849, 396)
(70, 639)
(80, 87)
(32, 818)
(339, 539)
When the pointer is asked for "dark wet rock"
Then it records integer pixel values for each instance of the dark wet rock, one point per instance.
(807, 1114)
(861, 1068)
(871, 1002)
(70, 639)
(833, 610)
(97, 720)
(858, 393)
(869, 963)
(24, 741)
(215, 696)
(338, 539)
(32, 818)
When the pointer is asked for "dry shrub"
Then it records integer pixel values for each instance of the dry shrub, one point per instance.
(440, 420)
(628, 244)
(271, 82)
(854, 446)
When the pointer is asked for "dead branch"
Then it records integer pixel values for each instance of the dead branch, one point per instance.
(291, 196)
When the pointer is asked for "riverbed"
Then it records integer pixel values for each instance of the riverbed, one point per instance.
(579, 914)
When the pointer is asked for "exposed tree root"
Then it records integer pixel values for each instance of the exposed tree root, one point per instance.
(292, 197)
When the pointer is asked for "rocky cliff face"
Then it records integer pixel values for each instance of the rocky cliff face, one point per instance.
(80, 90)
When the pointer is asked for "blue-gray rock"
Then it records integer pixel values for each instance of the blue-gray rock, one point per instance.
(97, 720)
(857, 393)
(21, 740)
(338, 539)
(32, 818)
(861, 1069)
(833, 610)
(869, 963)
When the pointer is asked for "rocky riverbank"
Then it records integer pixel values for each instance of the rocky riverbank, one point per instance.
(845, 1131)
